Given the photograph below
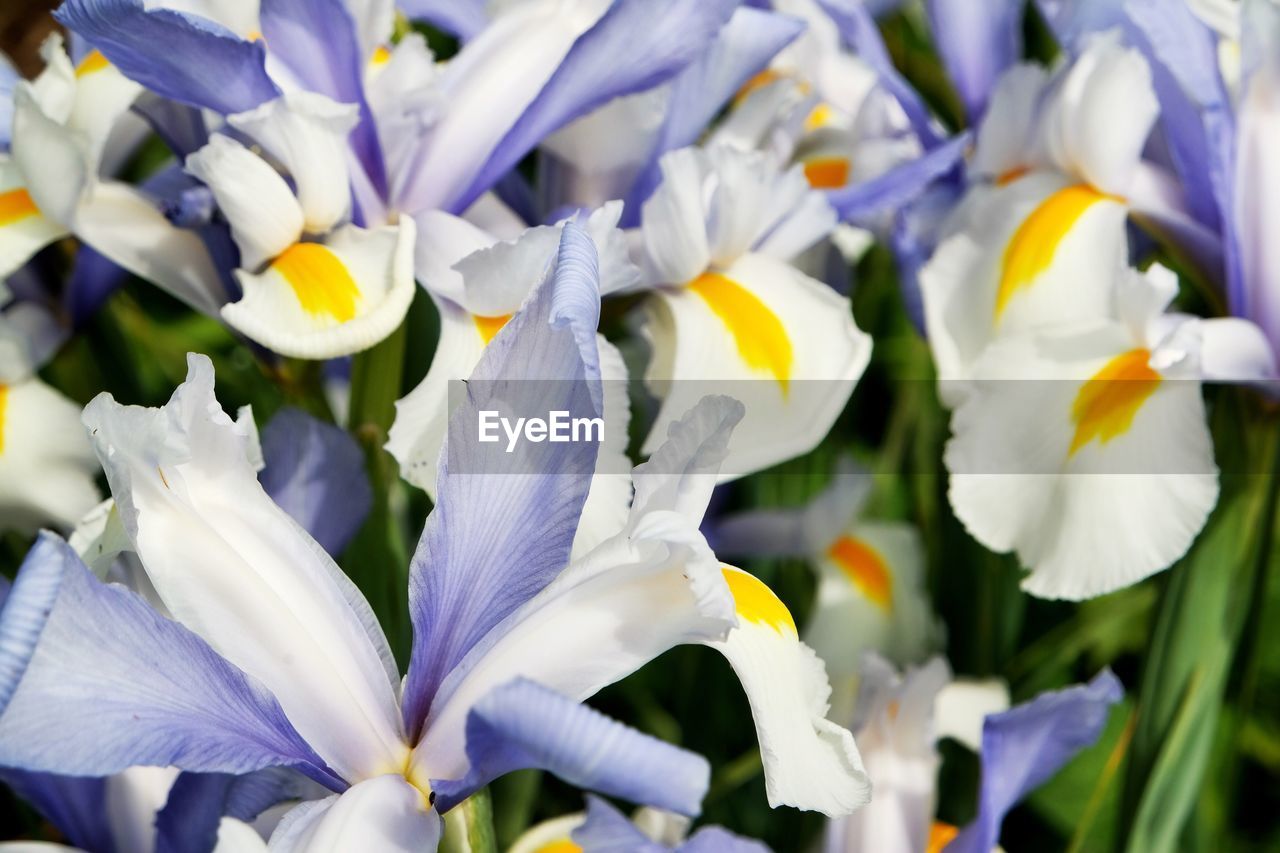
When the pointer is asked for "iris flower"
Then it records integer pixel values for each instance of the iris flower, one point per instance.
(276, 660)
(603, 828)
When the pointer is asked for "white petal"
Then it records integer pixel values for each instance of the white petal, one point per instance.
(872, 597)
(47, 468)
(809, 762)
(1087, 511)
(675, 230)
(1101, 113)
(544, 836)
(239, 16)
(1037, 252)
(236, 836)
(236, 569)
(308, 133)
(443, 241)
(103, 96)
(609, 500)
(386, 814)
(129, 229)
(265, 216)
(24, 229)
(52, 158)
(963, 705)
(132, 800)
(326, 300)
(783, 343)
(1235, 350)
(1006, 137)
(422, 416)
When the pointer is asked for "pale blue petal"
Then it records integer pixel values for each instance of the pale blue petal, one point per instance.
(759, 533)
(75, 805)
(180, 56)
(9, 77)
(637, 45)
(504, 523)
(858, 29)
(864, 204)
(319, 43)
(607, 830)
(977, 42)
(1026, 745)
(523, 724)
(198, 801)
(1072, 20)
(92, 681)
(315, 472)
(743, 48)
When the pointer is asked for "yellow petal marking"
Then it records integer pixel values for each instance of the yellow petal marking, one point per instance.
(16, 205)
(560, 845)
(1107, 404)
(381, 55)
(1034, 244)
(4, 405)
(93, 61)
(940, 835)
(320, 280)
(488, 327)
(759, 81)
(827, 173)
(755, 602)
(761, 338)
(865, 568)
(819, 117)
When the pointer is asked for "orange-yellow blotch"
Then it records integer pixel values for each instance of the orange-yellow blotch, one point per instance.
(4, 406)
(759, 81)
(1107, 404)
(940, 835)
(381, 55)
(320, 280)
(93, 61)
(16, 205)
(1006, 178)
(1034, 244)
(865, 568)
(755, 602)
(560, 845)
(760, 336)
(488, 327)
(827, 173)
(819, 117)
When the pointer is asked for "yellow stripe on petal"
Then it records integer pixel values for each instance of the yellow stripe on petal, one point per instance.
(827, 173)
(320, 280)
(759, 81)
(940, 835)
(819, 117)
(488, 327)
(865, 568)
(562, 845)
(16, 205)
(1034, 244)
(1107, 404)
(761, 338)
(1006, 178)
(381, 55)
(4, 406)
(92, 62)
(755, 602)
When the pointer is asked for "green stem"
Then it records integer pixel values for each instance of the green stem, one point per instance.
(468, 827)
(378, 559)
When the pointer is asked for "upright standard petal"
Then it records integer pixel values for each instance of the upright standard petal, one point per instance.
(73, 804)
(1023, 747)
(174, 54)
(315, 472)
(636, 45)
(504, 523)
(977, 45)
(308, 133)
(92, 681)
(236, 569)
(198, 804)
(523, 724)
